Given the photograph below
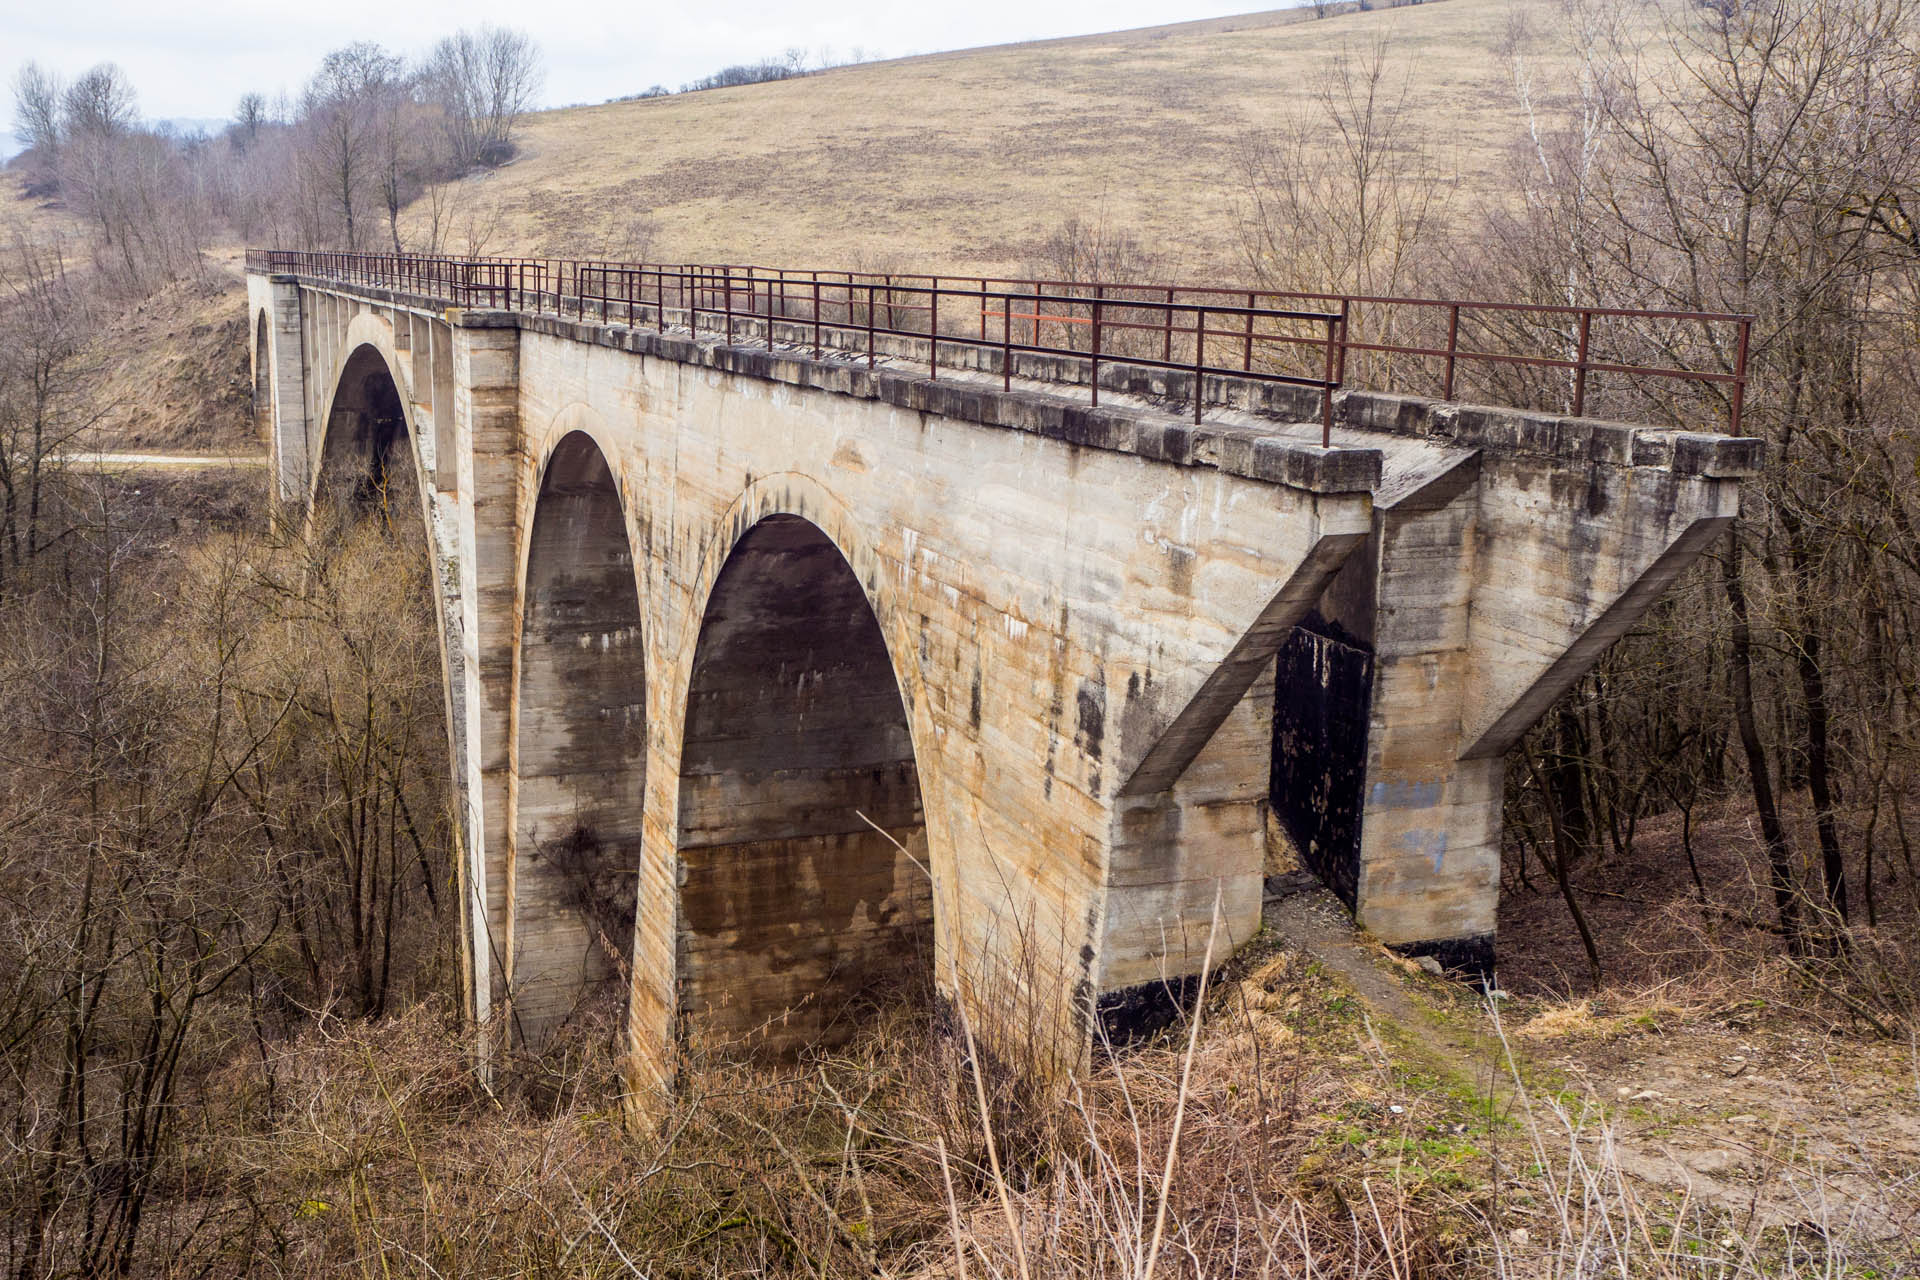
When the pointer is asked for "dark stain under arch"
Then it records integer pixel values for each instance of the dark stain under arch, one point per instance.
(797, 744)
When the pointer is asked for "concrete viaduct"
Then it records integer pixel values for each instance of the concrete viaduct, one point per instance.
(844, 672)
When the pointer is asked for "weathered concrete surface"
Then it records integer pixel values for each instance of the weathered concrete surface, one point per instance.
(582, 731)
(836, 678)
(802, 843)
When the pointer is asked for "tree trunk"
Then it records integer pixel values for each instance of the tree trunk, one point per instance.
(1779, 854)
(1813, 691)
(1563, 874)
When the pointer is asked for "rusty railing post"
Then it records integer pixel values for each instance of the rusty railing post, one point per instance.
(933, 330)
(1346, 319)
(1580, 368)
(1246, 361)
(1006, 343)
(1740, 376)
(1093, 355)
(1199, 358)
(1326, 384)
(1453, 347)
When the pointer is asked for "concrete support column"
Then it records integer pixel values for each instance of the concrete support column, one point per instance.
(1190, 822)
(1428, 867)
(1174, 852)
(487, 411)
(445, 426)
(292, 461)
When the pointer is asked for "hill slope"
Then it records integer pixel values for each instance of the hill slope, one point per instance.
(968, 160)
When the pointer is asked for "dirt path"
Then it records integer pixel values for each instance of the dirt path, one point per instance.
(1430, 1015)
(171, 461)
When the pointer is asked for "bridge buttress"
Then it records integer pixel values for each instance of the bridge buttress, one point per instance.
(1189, 824)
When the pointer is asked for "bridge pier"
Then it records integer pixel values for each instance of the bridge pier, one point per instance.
(279, 317)
(837, 677)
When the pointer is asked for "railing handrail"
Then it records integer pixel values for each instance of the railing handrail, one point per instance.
(1265, 323)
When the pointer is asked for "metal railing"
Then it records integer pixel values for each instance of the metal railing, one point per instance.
(1522, 354)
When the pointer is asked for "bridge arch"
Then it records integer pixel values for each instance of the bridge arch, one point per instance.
(369, 446)
(580, 725)
(804, 718)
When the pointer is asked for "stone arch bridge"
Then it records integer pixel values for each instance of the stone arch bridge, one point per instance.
(838, 660)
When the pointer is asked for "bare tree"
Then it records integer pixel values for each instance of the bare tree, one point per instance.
(45, 404)
(100, 104)
(37, 95)
(342, 109)
(484, 79)
(1341, 196)
(249, 114)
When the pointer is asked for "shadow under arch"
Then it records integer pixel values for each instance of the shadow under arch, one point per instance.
(367, 452)
(582, 741)
(797, 744)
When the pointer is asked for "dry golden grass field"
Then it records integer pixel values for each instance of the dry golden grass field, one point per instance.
(966, 161)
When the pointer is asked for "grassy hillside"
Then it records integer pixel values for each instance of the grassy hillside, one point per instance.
(968, 160)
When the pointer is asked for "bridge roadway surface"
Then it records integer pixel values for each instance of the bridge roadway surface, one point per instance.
(774, 680)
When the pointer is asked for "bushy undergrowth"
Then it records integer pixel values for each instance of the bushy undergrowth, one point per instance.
(376, 1140)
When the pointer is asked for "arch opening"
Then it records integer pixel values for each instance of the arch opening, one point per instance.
(262, 384)
(367, 457)
(582, 748)
(795, 913)
(367, 553)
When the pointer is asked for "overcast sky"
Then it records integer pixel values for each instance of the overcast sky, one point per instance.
(195, 59)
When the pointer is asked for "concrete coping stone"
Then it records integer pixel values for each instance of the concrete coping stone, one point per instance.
(1560, 436)
(1231, 448)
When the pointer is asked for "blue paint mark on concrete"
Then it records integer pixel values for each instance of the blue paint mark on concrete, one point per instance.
(1404, 795)
(1426, 844)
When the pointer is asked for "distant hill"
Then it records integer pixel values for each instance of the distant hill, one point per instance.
(968, 160)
